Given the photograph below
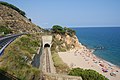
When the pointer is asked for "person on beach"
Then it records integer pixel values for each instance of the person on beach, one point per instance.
(113, 73)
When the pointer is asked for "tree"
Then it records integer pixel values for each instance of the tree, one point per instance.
(29, 19)
(69, 31)
(58, 29)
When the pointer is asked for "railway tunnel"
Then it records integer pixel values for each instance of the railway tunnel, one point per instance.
(46, 41)
(46, 45)
(48, 65)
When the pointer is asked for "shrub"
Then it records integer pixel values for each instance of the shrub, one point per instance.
(87, 74)
(5, 30)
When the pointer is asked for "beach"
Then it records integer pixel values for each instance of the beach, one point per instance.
(84, 58)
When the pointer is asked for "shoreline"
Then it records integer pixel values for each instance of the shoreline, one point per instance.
(112, 64)
(85, 56)
(109, 63)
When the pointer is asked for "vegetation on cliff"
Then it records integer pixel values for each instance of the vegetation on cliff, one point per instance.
(13, 7)
(63, 38)
(87, 74)
(17, 57)
(5, 30)
(60, 30)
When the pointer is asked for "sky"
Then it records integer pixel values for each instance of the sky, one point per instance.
(71, 13)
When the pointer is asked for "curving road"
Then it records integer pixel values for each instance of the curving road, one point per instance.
(5, 41)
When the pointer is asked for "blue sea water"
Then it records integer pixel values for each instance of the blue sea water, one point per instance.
(106, 41)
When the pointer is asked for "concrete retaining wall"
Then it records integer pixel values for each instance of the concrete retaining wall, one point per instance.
(50, 76)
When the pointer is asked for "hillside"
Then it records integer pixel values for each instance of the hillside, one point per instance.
(17, 57)
(13, 20)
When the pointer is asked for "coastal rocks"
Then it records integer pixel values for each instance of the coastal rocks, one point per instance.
(99, 48)
(58, 36)
(67, 42)
(73, 41)
(63, 45)
(68, 39)
(77, 43)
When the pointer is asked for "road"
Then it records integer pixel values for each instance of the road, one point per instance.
(5, 41)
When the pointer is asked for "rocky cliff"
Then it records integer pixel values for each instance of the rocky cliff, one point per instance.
(13, 20)
(65, 42)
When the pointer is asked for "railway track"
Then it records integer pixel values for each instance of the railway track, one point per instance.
(48, 69)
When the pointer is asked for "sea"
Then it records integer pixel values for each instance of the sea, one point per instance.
(104, 40)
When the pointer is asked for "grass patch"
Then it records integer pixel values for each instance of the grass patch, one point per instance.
(61, 67)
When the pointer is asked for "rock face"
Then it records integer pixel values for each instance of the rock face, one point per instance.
(72, 41)
(67, 42)
(16, 22)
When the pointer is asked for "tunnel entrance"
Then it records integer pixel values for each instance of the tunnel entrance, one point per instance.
(47, 45)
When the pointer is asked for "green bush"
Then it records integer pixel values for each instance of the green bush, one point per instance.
(87, 74)
(13, 7)
(5, 30)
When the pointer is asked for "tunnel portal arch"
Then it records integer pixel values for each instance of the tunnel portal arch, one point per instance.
(46, 41)
(46, 45)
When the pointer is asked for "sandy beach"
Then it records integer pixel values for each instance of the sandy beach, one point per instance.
(84, 58)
